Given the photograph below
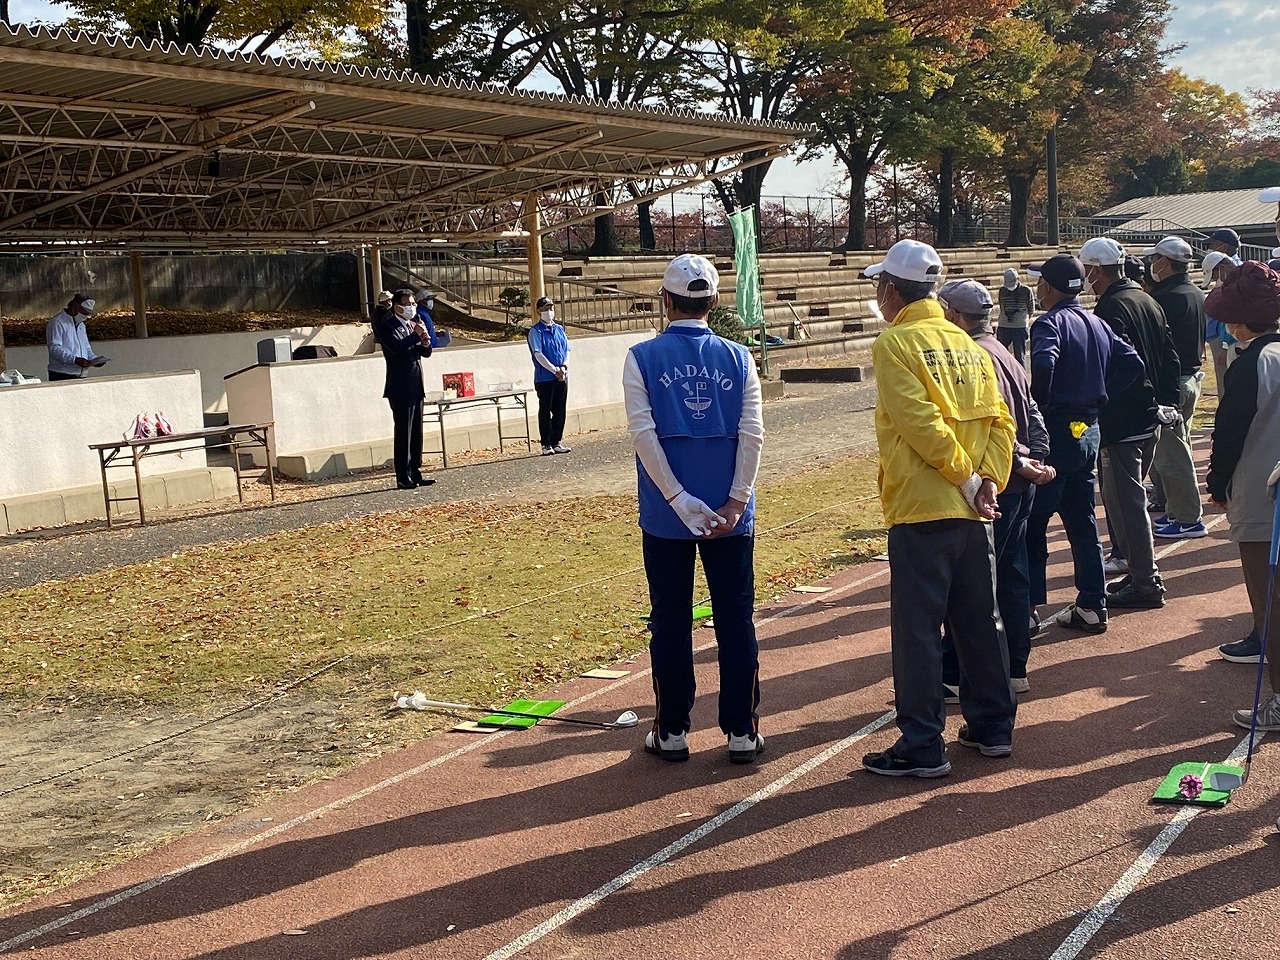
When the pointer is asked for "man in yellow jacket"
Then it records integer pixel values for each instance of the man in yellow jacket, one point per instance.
(946, 448)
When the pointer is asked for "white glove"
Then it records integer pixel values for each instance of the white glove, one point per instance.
(970, 490)
(1168, 416)
(696, 515)
(1273, 482)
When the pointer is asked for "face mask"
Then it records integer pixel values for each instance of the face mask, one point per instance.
(430, 304)
(547, 316)
(1153, 273)
(407, 311)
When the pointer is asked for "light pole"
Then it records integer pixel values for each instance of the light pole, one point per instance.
(1051, 157)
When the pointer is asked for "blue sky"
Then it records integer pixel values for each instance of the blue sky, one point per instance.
(1229, 42)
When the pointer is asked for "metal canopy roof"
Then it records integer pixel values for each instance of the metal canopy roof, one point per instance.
(1239, 209)
(124, 143)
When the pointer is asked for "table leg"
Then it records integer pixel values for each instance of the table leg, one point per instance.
(444, 453)
(235, 465)
(137, 479)
(528, 434)
(501, 447)
(106, 490)
(271, 467)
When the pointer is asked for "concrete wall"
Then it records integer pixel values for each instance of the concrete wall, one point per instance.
(337, 403)
(46, 429)
(214, 355)
(40, 285)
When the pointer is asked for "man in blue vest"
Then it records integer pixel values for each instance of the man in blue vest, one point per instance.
(694, 413)
(550, 350)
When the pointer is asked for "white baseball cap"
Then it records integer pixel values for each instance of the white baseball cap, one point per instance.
(1269, 195)
(1212, 260)
(690, 275)
(1175, 248)
(1101, 252)
(909, 260)
(423, 294)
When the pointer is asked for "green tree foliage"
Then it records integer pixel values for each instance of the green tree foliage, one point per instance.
(246, 24)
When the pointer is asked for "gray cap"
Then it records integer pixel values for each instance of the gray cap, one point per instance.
(966, 296)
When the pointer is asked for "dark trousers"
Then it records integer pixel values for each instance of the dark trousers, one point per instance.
(1013, 587)
(408, 440)
(552, 396)
(54, 375)
(1015, 338)
(728, 564)
(1071, 496)
(944, 571)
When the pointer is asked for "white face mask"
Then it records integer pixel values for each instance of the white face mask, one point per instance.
(430, 304)
(407, 311)
(547, 316)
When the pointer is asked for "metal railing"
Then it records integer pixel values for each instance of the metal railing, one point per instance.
(479, 288)
(1147, 231)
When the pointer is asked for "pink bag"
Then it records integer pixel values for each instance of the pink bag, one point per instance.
(143, 428)
(162, 425)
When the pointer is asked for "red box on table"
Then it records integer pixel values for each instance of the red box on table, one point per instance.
(463, 383)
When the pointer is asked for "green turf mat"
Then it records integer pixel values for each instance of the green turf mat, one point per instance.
(544, 708)
(701, 611)
(1167, 792)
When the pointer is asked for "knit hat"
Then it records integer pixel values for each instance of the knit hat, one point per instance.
(1010, 278)
(1251, 296)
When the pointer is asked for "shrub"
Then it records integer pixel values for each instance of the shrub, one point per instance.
(724, 323)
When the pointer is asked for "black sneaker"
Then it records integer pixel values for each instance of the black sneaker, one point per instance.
(1248, 650)
(1137, 596)
(986, 749)
(1082, 619)
(889, 764)
(1037, 625)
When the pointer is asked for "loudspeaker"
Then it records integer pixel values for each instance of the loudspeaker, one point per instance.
(275, 350)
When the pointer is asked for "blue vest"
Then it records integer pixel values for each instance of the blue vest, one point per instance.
(551, 342)
(695, 381)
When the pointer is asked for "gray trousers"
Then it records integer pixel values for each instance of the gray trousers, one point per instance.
(1173, 472)
(944, 571)
(1254, 560)
(1123, 467)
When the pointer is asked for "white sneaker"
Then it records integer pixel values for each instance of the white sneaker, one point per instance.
(1116, 565)
(745, 748)
(561, 448)
(548, 451)
(673, 747)
(1020, 684)
(1268, 715)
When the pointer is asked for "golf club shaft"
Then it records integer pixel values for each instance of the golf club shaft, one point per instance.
(442, 705)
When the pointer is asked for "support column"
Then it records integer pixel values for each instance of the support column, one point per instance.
(361, 264)
(139, 295)
(375, 262)
(533, 251)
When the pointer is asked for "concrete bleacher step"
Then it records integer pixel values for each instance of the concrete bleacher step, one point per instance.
(78, 504)
(844, 374)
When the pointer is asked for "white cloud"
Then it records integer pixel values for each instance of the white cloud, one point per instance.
(1228, 42)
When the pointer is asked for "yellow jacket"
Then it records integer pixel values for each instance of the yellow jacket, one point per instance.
(939, 417)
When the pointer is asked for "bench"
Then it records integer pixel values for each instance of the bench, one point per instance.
(234, 437)
(434, 410)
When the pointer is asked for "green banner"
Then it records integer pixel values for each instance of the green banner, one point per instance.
(750, 307)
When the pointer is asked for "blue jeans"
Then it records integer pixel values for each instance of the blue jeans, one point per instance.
(1071, 496)
(728, 564)
(1013, 587)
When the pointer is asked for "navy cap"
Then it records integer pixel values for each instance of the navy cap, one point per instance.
(1227, 236)
(1064, 273)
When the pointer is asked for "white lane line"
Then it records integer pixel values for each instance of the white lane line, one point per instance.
(1112, 899)
(128, 894)
(592, 899)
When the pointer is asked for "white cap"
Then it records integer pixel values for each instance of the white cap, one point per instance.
(692, 276)
(423, 294)
(88, 306)
(1212, 260)
(909, 260)
(1275, 252)
(385, 296)
(1269, 195)
(1101, 252)
(1175, 248)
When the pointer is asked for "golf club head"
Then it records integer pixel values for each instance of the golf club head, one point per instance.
(628, 719)
(1226, 782)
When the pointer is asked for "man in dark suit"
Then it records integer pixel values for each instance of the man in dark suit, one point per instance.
(404, 342)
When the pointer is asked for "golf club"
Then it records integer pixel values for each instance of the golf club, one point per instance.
(1222, 780)
(627, 719)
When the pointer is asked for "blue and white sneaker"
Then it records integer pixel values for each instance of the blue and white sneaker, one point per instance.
(1248, 650)
(1174, 530)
